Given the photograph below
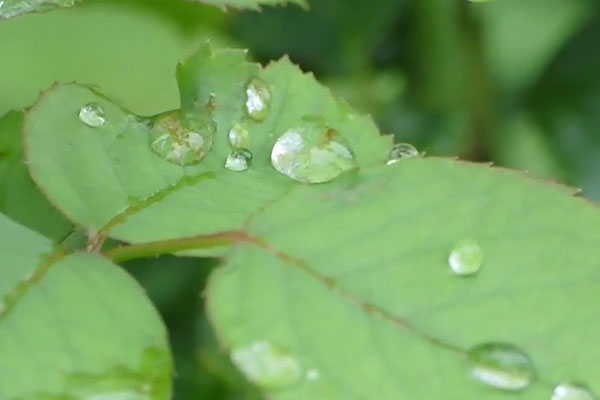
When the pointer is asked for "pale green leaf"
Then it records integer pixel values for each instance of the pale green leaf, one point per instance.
(351, 279)
(108, 179)
(74, 327)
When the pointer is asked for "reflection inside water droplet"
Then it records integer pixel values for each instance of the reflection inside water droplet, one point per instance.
(239, 160)
(312, 153)
(267, 366)
(258, 102)
(239, 136)
(92, 115)
(182, 137)
(572, 391)
(402, 151)
(501, 365)
(466, 258)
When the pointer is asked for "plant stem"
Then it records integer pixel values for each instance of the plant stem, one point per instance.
(149, 249)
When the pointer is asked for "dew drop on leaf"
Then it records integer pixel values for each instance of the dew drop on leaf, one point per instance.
(239, 135)
(239, 160)
(402, 151)
(312, 153)
(182, 137)
(466, 258)
(501, 365)
(92, 115)
(258, 102)
(571, 391)
(313, 374)
(268, 366)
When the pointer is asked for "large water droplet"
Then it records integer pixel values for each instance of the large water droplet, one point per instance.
(466, 258)
(92, 115)
(181, 137)
(572, 391)
(258, 102)
(239, 160)
(501, 365)
(267, 366)
(312, 153)
(402, 151)
(239, 136)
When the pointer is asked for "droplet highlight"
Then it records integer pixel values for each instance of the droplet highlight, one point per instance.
(92, 114)
(258, 101)
(402, 151)
(267, 366)
(500, 365)
(239, 135)
(182, 138)
(572, 391)
(312, 153)
(239, 160)
(466, 258)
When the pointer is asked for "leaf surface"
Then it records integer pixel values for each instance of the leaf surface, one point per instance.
(352, 281)
(75, 326)
(108, 179)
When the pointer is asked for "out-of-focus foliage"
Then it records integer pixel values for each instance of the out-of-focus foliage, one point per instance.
(510, 81)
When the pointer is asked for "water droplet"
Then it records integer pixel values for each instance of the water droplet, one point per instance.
(402, 151)
(572, 391)
(466, 258)
(312, 153)
(239, 160)
(501, 365)
(182, 138)
(239, 135)
(313, 374)
(267, 366)
(92, 115)
(258, 103)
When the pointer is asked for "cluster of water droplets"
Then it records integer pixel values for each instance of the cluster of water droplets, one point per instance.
(258, 106)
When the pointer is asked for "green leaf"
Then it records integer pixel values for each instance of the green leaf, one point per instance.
(347, 291)
(20, 199)
(14, 8)
(109, 180)
(74, 45)
(75, 326)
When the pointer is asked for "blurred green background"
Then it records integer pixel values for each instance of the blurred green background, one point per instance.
(510, 81)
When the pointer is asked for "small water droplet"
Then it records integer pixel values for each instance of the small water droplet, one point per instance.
(267, 366)
(501, 365)
(466, 258)
(239, 160)
(258, 102)
(239, 135)
(313, 374)
(181, 137)
(402, 151)
(92, 115)
(572, 391)
(312, 153)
